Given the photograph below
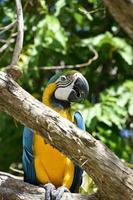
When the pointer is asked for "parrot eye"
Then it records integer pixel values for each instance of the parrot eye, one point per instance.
(63, 78)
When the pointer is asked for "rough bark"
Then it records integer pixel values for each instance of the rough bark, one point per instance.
(12, 188)
(122, 11)
(113, 178)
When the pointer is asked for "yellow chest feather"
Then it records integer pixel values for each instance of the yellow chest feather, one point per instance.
(50, 164)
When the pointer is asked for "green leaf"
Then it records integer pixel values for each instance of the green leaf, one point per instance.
(43, 4)
(118, 44)
(123, 99)
(98, 40)
(93, 112)
(88, 186)
(124, 49)
(51, 35)
(78, 17)
(130, 107)
(59, 5)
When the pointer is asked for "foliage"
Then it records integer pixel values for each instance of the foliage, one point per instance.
(111, 114)
(61, 32)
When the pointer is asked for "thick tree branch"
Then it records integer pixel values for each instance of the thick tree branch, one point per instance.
(13, 70)
(12, 188)
(113, 178)
(122, 11)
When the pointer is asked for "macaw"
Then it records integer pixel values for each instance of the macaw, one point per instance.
(42, 163)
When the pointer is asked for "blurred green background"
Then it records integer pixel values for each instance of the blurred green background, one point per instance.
(63, 31)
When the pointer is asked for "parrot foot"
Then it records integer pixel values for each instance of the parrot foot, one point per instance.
(58, 193)
(49, 189)
(51, 193)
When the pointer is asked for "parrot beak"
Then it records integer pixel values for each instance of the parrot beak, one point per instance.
(80, 89)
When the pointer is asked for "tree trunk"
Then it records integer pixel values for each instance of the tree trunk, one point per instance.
(113, 179)
(122, 11)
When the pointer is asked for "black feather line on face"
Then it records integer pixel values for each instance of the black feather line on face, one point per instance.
(62, 82)
(61, 85)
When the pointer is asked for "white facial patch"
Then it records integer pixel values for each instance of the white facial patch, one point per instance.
(65, 87)
(62, 93)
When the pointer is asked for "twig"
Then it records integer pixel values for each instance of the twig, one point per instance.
(77, 66)
(9, 26)
(6, 45)
(13, 70)
(11, 37)
(16, 170)
(92, 11)
(2, 41)
(10, 175)
(84, 162)
(19, 41)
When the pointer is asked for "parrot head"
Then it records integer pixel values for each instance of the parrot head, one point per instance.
(70, 86)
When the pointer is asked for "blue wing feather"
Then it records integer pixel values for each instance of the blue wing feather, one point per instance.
(78, 171)
(79, 120)
(28, 158)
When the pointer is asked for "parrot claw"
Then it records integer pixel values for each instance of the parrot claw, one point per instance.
(49, 189)
(51, 193)
(58, 193)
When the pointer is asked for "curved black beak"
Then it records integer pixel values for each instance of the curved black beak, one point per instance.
(80, 90)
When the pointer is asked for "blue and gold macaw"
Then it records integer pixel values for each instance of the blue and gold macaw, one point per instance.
(42, 163)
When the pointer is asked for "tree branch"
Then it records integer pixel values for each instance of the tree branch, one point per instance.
(122, 11)
(113, 179)
(76, 66)
(6, 45)
(13, 70)
(12, 188)
(9, 26)
(19, 41)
